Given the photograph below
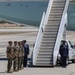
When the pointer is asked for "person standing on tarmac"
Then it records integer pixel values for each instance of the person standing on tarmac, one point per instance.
(9, 53)
(26, 53)
(20, 55)
(64, 53)
(15, 60)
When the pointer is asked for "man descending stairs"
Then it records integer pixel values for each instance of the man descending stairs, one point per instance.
(46, 49)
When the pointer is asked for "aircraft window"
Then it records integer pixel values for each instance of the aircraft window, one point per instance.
(26, 5)
(21, 4)
(8, 5)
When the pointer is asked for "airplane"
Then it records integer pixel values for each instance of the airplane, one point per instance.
(30, 12)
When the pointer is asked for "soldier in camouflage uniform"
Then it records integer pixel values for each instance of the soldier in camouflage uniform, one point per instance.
(22, 53)
(15, 60)
(9, 53)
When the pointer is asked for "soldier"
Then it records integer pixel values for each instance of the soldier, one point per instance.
(15, 61)
(9, 53)
(20, 55)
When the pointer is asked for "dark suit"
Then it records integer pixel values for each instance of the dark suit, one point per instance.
(26, 53)
(64, 54)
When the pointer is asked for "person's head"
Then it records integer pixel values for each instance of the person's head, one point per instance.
(10, 42)
(15, 43)
(63, 42)
(19, 43)
(24, 41)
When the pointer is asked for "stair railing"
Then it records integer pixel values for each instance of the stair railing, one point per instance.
(60, 34)
(38, 39)
(47, 13)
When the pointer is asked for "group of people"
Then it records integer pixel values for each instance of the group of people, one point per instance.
(17, 54)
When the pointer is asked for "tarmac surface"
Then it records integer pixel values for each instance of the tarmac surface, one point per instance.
(30, 35)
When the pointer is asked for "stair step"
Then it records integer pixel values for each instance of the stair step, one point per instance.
(49, 25)
(45, 57)
(58, 6)
(46, 49)
(63, 2)
(55, 14)
(43, 54)
(47, 44)
(49, 28)
(49, 36)
(53, 22)
(42, 60)
(49, 33)
(47, 40)
(51, 41)
(55, 11)
(55, 19)
(51, 44)
(43, 51)
(44, 64)
(54, 34)
(59, 2)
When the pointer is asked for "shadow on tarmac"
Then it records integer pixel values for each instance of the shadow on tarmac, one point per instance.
(3, 72)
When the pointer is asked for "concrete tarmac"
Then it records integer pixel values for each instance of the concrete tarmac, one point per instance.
(30, 36)
(70, 70)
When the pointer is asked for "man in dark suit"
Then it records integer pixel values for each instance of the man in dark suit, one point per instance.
(26, 53)
(64, 53)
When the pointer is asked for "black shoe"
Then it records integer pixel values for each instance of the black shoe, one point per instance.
(9, 71)
(63, 66)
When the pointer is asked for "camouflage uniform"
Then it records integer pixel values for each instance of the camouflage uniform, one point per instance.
(9, 53)
(15, 61)
(22, 53)
(19, 57)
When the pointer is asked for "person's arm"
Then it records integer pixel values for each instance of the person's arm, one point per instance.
(67, 50)
(28, 49)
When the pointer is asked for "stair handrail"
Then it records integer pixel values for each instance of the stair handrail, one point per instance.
(47, 13)
(38, 39)
(60, 34)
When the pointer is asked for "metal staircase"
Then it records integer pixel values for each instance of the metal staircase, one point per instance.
(46, 54)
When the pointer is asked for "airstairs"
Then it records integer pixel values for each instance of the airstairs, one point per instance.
(50, 33)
